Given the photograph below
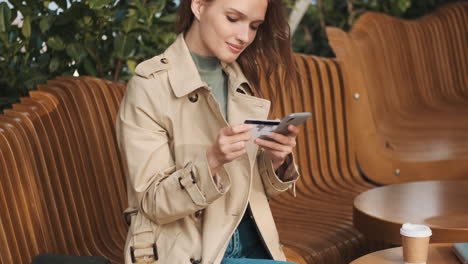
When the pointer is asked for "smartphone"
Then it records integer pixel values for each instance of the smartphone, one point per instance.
(266, 127)
(295, 119)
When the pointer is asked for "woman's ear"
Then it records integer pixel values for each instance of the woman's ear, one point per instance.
(197, 6)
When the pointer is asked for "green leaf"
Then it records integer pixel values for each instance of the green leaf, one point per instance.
(61, 3)
(43, 60)
(90, 67)
(56, 43)
(54, 64)
(45, 23)
(131, 64)
(71, 15)
(26, 29)
(5, 16)
(168, 37)
(91, 52)
(156, 7)
(124, 46)
(129, 24)
(142, 9)
(18, 46)
(34, 79)
(75, 51)
(403, 5)
(120, 15)
(4, 38)
(328, 5)
(87, 20)
(98, 4)
(169, 18)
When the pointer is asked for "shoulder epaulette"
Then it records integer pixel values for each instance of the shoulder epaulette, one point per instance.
(151, 66)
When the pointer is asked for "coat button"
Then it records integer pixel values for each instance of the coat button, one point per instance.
(239, 90)
(198, 213)
(195, 261)
(164, 60)
(193, 97)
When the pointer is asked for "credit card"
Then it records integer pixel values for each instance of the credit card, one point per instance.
(262, 127)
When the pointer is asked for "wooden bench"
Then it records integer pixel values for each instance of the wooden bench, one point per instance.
(407, 94)
(63, 182)
(318, 222)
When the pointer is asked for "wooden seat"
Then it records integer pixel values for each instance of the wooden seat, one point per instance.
(79, 185)
(406, 92)
(318, 222)
(19, 201)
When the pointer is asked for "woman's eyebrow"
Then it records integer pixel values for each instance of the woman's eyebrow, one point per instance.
(242, 15)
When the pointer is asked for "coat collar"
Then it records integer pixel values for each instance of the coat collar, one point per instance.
(183, 73)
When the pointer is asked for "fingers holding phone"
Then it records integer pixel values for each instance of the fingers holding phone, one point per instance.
(278, 138)
(229, 145)
(279, 146)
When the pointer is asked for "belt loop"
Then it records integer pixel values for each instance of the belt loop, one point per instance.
(143, 249)
(146, 256)
(128, 213)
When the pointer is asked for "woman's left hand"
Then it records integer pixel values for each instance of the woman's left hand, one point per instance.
(280, 146)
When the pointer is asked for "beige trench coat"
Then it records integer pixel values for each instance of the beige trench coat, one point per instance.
(166, 121)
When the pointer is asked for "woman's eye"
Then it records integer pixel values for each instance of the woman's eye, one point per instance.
(255, 26)
(231, 19)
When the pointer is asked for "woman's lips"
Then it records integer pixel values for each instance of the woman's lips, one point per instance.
(234, 48)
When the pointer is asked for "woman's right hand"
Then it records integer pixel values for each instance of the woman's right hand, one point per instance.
(230, 144)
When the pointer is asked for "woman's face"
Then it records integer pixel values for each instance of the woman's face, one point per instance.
(228, 27)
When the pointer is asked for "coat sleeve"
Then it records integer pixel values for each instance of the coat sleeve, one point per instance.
(163, 192)
(276, 182)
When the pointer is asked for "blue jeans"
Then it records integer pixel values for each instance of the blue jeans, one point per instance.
(252, 261)
(246, 247)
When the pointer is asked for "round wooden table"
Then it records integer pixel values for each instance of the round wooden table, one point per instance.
(438, 253)
(442, 205)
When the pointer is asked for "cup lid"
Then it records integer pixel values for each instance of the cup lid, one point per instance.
(413, 230)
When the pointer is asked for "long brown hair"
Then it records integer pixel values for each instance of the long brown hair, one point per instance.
(269, 52)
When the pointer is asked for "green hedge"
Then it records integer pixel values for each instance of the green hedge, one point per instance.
(104, 38)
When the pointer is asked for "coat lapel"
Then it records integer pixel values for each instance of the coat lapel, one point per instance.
(242, 106)
(185, 79)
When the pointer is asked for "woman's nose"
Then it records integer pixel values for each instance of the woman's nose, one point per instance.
(243, 34)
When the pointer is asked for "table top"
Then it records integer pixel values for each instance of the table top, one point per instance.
(438, 253)
(442, 205)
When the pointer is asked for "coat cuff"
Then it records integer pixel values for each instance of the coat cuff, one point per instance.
(209, 189)
(287, 173)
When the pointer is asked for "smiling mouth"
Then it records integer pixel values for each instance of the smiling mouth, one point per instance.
(234, 48)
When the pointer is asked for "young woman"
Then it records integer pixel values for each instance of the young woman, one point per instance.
(198, 184)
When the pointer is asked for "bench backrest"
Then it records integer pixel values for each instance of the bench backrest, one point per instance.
(407, 93)
(62, 179)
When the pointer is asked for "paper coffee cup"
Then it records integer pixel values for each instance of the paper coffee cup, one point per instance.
(415, 241)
